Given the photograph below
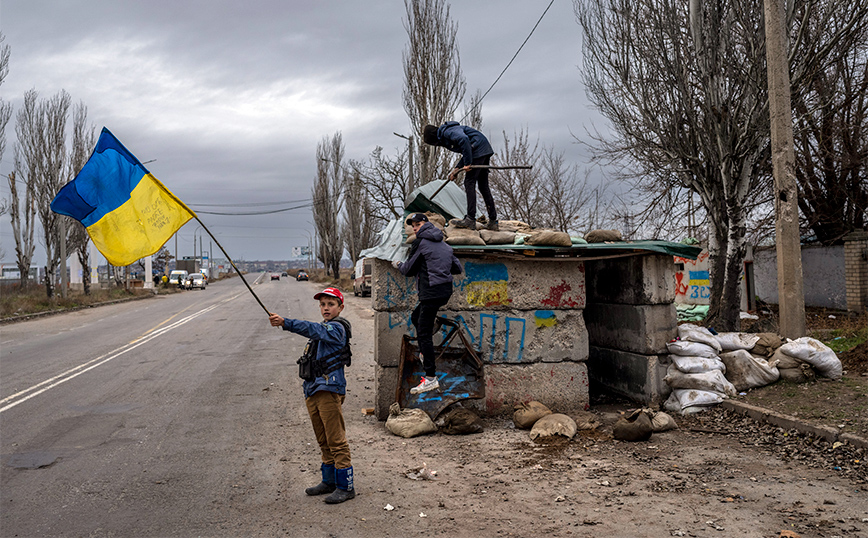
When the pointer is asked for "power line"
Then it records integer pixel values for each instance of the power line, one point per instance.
(510, 62)
(251, 204)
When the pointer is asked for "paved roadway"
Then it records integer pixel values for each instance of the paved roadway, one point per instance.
(158, 417)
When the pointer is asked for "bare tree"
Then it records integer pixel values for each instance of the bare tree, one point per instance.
(387, 185)
(688, 102)
(433, 84)
(327, 200)
(564, 194)
(831, 139)
(5, 115)
(473, 111)
(27, 165)
(356, 228)
(83, 141)
(517, 193)
(23, 232)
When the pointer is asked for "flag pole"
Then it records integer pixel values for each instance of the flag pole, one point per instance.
(232, 263)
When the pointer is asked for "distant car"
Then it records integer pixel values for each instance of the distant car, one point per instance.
(195, 280)
(275, 276)
(284, 274)
(301, 276)
(177, 278)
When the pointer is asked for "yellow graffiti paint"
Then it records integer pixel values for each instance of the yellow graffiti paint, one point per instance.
(487, 293)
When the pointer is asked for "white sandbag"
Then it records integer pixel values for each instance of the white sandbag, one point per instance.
(691, 398)
(695, 365)
(746, 371)
(733, 341)
(409, 422)
(695, 333)
(817, 354)
(691, 349)
(713, 380)
(785, 361)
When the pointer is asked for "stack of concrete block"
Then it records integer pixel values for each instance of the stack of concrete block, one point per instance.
(523, 317)
(630, 317)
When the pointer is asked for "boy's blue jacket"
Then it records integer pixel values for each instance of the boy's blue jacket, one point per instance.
(332, 337)
(432, 262)
(467, 141)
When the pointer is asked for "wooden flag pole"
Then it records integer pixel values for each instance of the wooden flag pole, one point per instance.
(490, 167)
(233, 264)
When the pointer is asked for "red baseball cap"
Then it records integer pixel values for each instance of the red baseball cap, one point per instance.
(331, 292)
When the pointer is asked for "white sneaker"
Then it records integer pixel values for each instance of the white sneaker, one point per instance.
(425, 385)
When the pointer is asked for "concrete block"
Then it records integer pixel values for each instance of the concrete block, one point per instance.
(635, 376)
(511, 336)
(854, 440)
(385, 385)
(643, 329)
(491, 284)
(635, 280)
(563, 387)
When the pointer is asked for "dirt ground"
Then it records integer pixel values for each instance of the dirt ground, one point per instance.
(719, 474)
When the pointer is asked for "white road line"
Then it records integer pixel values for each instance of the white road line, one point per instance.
(93, 363)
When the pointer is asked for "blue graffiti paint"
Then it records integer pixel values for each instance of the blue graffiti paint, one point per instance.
(509, 333)
(483, 272)
(491, 340)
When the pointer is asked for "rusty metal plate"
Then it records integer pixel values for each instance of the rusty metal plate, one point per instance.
(459, 372)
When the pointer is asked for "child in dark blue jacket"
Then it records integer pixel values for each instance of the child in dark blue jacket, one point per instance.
(433, 263)
(324, 392)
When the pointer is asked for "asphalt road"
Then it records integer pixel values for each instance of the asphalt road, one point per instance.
(159, 417)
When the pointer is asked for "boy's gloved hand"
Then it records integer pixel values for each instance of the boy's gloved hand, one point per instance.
(396, 264)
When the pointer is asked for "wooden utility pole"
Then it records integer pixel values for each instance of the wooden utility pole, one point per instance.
(791, 296)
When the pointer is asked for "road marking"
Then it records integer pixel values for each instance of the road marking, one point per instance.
(99, 361)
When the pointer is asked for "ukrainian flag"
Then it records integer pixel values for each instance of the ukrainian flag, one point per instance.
(127, 212)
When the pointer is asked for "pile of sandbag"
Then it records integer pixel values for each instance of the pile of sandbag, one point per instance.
(806, 355)
(456, 420)
(542, 423)
(639, 424)
(696, 374)
(744, 369)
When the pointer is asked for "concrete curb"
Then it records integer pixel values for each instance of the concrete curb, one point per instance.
(761, 414)
(35, 315)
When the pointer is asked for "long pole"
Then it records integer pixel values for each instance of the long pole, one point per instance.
(232, 263)
(791, 295)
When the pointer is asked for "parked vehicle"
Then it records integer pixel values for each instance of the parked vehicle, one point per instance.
(177, 278)
(301, 275)
(275, 276)
(362, 277)
(195, 280)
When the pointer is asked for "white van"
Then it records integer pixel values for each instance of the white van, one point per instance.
(177, 278)
(362, 277)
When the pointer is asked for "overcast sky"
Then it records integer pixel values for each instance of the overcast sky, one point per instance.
(231, 98)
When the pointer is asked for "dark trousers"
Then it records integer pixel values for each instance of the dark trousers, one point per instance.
(423, 318)
(478, 177)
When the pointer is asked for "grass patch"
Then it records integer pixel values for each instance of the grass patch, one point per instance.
(841, 340)
(33, 300)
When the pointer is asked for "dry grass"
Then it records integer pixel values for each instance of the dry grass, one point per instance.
(16, 302)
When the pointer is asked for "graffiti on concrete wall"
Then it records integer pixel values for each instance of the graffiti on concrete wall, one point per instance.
(485, 284)
(692, 284)
(559, 296)
(492, 329)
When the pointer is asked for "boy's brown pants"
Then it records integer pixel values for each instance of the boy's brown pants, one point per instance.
(327, 419)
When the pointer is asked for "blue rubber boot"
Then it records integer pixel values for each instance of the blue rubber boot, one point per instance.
(344, 491)
(328, 481)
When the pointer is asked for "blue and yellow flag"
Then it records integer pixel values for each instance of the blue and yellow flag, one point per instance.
(127, 212)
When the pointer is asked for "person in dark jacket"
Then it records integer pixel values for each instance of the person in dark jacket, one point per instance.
(324, 395)
(474, 149)
(433, 263)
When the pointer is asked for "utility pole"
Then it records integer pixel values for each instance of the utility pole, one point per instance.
(791, 295)
(63, 257)
(411, 180)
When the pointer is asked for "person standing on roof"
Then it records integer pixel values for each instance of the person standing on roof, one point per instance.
(433, 263)
(475, 150)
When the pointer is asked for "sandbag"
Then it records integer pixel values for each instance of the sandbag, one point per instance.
(803, 374)
(526, 414)
(785, 361)
(463, 236)
(409, 422)
(713, 380)
(497, 238)
(692, 398)
(696, 365)
(514, 226)
(453, 222)
(459, 421)
(817, 354)
(695, 333)
(745, 371)
(767, 344)
(691, 349)
(585, 420)
(520, 238)
(549, 238)
(601, 236)
(633, 426)
(660, 421)
(733, 341)
(554, 424)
